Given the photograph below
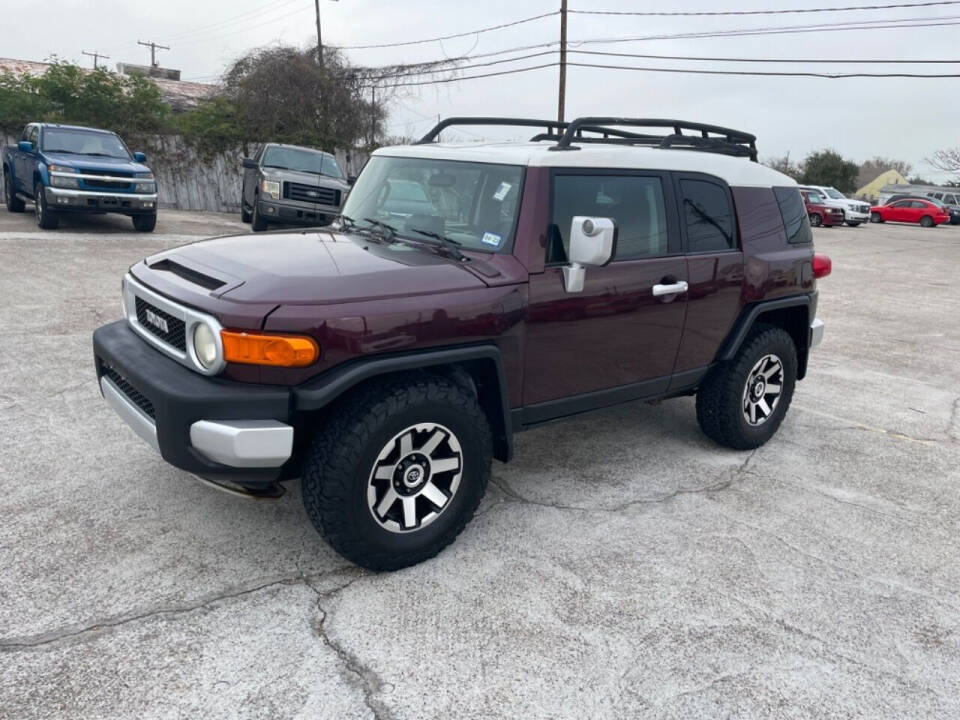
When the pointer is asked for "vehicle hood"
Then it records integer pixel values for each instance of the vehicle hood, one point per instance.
(316, 267)
(303, 177)
(90, 162)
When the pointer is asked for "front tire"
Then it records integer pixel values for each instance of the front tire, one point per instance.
(876, 217)
(852, 223)
(47, 219)
(257, 222)
(398, 470)
(145, 223)
(742, 401)
(816, 220)
(245, 215)
(14, 204)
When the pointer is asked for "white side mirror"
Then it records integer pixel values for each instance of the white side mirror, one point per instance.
(592, 242)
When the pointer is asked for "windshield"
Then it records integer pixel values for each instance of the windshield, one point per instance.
(83, 142)
(308, 161)
(815, 198)
(835, 194)
(473, 204)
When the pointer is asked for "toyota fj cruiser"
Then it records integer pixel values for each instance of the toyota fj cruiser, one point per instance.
(468, 292)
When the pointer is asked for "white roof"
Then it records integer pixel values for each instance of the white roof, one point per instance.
(736, 171)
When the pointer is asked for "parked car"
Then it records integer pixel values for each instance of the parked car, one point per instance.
(291, 184)
(69, 169)
(927, 213)
(951, 201)
(854, 211)
(819, 212)
(954, 211)
(385, 361)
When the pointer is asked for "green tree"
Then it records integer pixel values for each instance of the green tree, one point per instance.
(828, 167)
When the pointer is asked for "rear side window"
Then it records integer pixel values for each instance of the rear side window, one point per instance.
(708, 216)
(794, 215)
(635, 203)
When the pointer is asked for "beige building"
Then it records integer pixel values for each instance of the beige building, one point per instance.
(871, 191)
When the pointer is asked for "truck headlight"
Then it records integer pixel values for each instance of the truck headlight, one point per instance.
(144, 187)
(271, 188)
(58, 180)
(205, 345)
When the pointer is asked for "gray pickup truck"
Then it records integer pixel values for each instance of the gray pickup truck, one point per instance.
(292, 185)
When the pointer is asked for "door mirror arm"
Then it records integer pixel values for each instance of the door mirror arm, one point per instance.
(593, 243)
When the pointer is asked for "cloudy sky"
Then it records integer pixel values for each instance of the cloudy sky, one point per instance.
(900, 118)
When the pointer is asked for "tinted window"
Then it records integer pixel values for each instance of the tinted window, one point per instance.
(935, 195)
(794, 215)
(901, 203)
(707, 215)
(83, 142)
(950, 199)
(301, 160)
(34, 135)
(634, 203)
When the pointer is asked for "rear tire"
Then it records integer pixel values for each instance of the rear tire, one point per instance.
(926, 221)
(816, 220)
(47, 219)
(742, 401)
(257, 222)
(372, 480)
(14, 204)
(245, 215)
(145, 223)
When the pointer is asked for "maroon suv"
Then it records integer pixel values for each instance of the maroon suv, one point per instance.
(468, 292)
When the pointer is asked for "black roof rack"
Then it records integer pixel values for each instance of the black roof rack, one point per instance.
(708, 138)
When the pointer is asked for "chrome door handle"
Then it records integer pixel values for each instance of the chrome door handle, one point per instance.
(673, 289)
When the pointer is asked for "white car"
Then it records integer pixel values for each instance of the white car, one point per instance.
(854, 211)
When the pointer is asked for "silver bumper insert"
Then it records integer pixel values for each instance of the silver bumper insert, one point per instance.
(65, 192)
(243, 443)
(141, 423)
(816, 332)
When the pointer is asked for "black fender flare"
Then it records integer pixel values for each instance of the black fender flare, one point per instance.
(319, 392)
(750, 313)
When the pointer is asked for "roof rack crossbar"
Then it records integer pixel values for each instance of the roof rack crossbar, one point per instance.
(727, 136)
(549, 125)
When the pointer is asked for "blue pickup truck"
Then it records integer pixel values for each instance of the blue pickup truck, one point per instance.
(69, 169)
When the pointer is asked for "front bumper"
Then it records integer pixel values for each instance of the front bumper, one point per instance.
(97, 201)
(218, 429)
(296, 213)
(856, 216)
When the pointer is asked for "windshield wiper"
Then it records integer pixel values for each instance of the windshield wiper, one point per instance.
(390, 229)
(448, 243)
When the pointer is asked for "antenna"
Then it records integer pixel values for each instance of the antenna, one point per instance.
(96, 56)
(153, 50)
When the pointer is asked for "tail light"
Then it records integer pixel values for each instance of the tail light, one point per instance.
(822, 265)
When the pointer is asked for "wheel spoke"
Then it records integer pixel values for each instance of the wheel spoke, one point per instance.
(773, 389)
(409, 511)
(434, 494)
(753, 413)
(384, 472)
(387, 502)
(444, 465)
(772, 370)
(432, 443)
(406, 444)
(762, 404)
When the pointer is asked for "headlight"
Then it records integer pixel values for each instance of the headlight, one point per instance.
(271, 188)
(57, 180)
(205, 345)
(145, 187)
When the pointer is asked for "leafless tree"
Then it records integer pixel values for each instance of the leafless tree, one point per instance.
(948, 160)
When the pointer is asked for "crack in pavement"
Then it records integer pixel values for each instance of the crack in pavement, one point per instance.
(14, 644)
(371, 683)
(513, 495)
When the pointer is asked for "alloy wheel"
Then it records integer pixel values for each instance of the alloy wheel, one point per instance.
(414, 477)
(761, 393)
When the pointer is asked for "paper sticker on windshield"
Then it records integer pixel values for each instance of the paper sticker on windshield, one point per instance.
(502, 191)
(491, 238)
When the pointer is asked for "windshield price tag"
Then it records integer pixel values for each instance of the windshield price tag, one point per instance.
(490, 238)
(501, 192)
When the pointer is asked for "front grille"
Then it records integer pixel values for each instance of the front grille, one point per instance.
(134, 395)
(175, 334)
(311, 193)
(108, 184)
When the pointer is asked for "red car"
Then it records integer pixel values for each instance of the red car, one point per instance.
(818, 212)
(928, 214)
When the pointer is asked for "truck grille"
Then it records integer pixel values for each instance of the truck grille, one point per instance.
(153, 319)
(311, 194)
(134, 395)
(107, 184)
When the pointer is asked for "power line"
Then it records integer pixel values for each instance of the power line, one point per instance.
(766, 12)
(451, 37)
(834, 61)
(474, 77)
(453, 68)
(769, 73)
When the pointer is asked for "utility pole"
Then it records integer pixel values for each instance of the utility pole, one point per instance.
(373, 116)
(316, 4)
(96, 56)
(153, 51)
(561, 97)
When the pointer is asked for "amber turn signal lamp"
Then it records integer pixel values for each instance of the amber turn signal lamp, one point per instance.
(278, 350)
